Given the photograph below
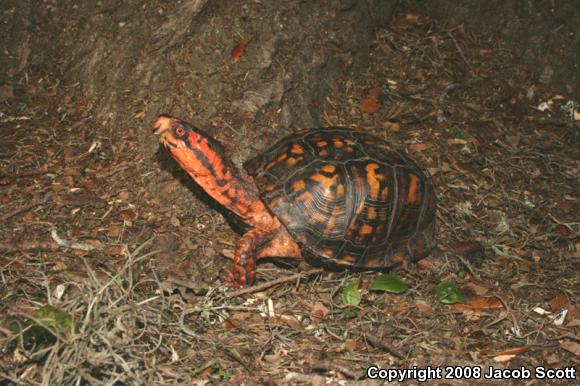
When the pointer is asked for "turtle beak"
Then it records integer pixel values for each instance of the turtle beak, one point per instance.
(162, 124)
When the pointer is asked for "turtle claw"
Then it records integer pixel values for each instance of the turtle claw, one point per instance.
(237, 278)
(230, 279)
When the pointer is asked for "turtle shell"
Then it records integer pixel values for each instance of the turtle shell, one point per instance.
(347, 197)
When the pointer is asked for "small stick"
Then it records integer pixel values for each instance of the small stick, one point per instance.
(29, 245)
(330, 366)
(272, 283)
(384, 346)
(461, 53)
(25, 208)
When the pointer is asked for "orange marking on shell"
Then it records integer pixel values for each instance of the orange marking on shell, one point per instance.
(412, 194)
(340, 191)
(323, 153)
(275, 202)
(372, 213)
(298, 185)
(337, 143)
(325, 181)
(348, 259)
(328, 168)
(297, 149)
(270, 187)
(327, 252)
(373, 262)
(321, 143)
(336, 212)
(319, 218)
(282, 157)
(306, 198)
(366, 229)
(290, 162)
(373, 180)
(384, 194)
(271, 164)
(349, 149)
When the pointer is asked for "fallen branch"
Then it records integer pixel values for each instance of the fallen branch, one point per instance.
(29, 245)
(272, 283)
(23, 209)
(69, 243)
(384, 346)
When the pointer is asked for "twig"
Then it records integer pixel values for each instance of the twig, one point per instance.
(461, 53)
(25, 208)
(384, 346)
(69, 243)
(31, 245)
(330, 366)
(27, 174)
(310, 379)
(272, 283)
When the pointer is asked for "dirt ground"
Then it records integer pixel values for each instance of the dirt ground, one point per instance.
(127, 245)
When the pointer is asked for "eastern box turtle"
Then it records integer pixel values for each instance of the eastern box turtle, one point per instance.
(335, 197)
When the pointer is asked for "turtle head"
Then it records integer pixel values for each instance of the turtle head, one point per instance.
(195, 151)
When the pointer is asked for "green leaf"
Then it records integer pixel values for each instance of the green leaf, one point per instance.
(55, 320)
(389, 283)
(350, 295)
(225, 374)
(448, 293)
(350, 313)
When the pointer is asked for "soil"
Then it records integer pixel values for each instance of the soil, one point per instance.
(101, 224)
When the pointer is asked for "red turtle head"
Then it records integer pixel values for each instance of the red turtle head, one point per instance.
(195, 151)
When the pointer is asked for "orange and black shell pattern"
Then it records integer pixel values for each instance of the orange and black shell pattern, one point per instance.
(348, 198)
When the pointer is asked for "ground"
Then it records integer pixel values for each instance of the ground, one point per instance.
(127, 245)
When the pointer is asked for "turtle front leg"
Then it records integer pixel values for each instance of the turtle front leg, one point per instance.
(243, 272)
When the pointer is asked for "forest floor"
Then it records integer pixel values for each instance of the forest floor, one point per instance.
(137, 269)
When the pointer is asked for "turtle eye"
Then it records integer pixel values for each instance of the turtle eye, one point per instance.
(180, 131)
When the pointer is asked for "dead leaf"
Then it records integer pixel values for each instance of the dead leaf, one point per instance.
(514, 351)
(513, 140)
(140, 115)
(292, 322)
(238, 50)
(482, 303)
(392, 126)
(350, 345)
(456, 141)
(574, 312)
(571, 346)
(174, 221)
(424, 309)
(472, 251)
(485, 53)
(574, 323)
(6, 93)
(480, 288)
(406, 21)
(559, 302)
(230, 324)
(319, 311)
(272, 358)
(503, 358)
(371, 103)
(565, 206)
(419, 147)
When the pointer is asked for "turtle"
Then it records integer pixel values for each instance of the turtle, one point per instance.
(334, 197)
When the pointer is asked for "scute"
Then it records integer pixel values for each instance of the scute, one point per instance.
(347, 197)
